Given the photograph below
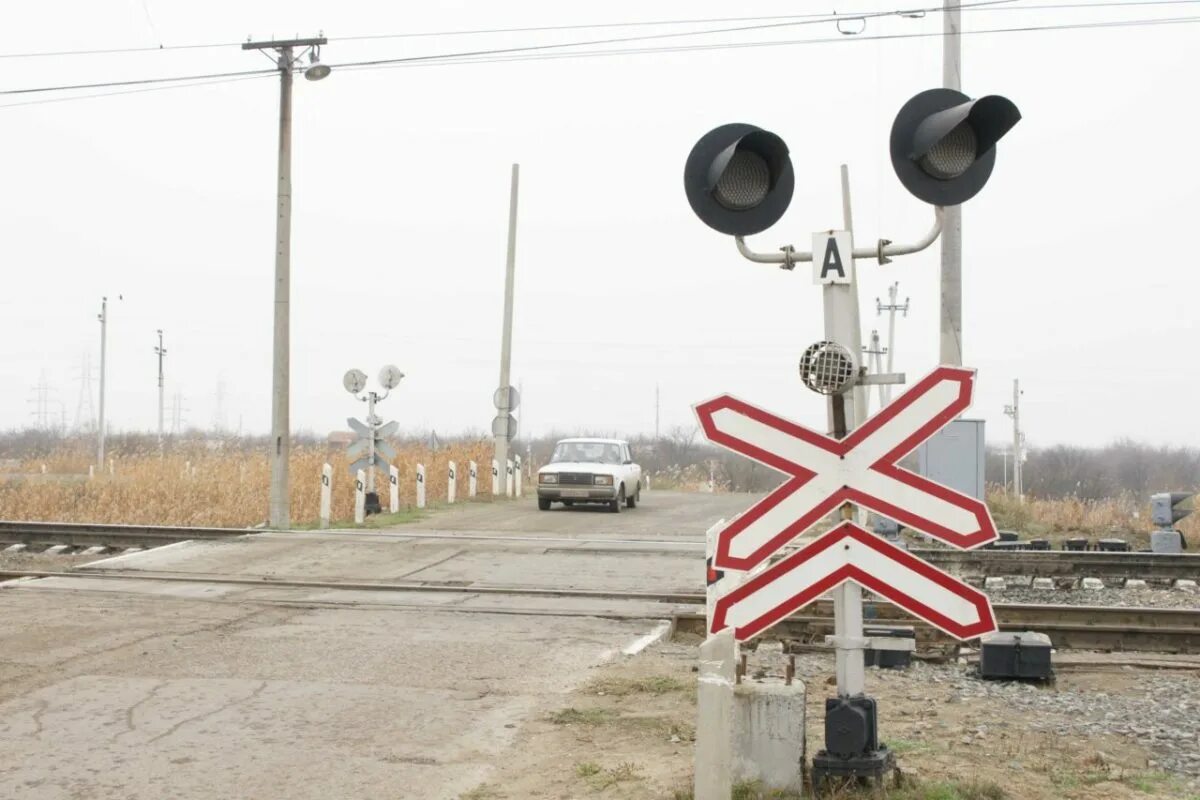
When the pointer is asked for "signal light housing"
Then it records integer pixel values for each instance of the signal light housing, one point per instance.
(943, 143)
(738, 179)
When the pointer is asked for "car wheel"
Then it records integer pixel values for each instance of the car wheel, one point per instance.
(543, 504)
(568, 503)
(615, 505)
(632, 500)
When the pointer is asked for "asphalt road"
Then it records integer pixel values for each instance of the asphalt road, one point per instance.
(149, 689)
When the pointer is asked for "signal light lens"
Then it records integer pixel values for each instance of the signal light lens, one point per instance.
(744, 183)
(952, 155)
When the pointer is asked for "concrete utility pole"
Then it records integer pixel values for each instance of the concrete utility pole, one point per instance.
(874, 353)
(103, 317)
(504, 407)
(160, 351)
(1014, 411)
(892, 307)
(951, 348)
(279, 513)
(656, 410)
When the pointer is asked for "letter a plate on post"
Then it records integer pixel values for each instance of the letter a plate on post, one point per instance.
(825, 473)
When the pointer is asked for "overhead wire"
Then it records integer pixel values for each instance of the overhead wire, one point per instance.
(539, 52)
(451, 59)
(984, 5)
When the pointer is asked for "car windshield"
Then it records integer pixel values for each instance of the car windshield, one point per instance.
(595, 452)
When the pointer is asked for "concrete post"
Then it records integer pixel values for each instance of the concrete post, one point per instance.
(518, 476)
(508, 478)
(472, 478)
(451, 482)
(768, 735)
(360, 497)
(420, 485)
(394, 489)
(714, 718)
(495, 477)
(326, 494)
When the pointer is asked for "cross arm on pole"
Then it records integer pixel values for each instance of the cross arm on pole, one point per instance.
(883, 251)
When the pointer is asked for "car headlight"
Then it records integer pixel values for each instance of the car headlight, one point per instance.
(548, 478)
(603, 480)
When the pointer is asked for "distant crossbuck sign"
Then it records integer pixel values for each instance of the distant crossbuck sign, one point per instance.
(826, 473)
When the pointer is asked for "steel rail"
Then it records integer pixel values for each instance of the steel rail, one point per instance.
(1117, 628)
(86, 534)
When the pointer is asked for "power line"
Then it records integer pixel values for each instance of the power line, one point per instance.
(449, 59)
(536, 52)
(139, 82)
(70, 98)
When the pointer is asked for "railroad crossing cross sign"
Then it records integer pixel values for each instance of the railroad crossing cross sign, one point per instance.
(826, 473)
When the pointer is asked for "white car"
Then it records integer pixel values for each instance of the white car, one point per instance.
(590, 471)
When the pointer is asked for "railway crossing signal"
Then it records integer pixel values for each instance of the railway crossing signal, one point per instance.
(943, 143)
(371, 450)
(739, 179)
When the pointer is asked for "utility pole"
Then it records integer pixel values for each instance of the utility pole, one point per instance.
(951, 348)
(656, 410)
(892, 307)
(279, 513)
(103, 317)
(160, 351)
(506, 405)
(875, 354)
(1014, 411)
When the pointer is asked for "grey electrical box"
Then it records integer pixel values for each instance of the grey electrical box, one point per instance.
(954, 457)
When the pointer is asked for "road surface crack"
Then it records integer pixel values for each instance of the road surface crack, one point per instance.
(201, 717)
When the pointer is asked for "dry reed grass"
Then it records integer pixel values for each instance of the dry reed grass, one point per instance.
(197, 486)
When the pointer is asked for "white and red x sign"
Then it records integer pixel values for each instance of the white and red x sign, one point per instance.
(862, 469)
(850, 553)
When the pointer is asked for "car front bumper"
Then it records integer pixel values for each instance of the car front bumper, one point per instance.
(581, 493)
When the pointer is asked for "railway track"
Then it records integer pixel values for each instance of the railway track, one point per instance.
(86, 534)
(1173, 630)
(1061, 564)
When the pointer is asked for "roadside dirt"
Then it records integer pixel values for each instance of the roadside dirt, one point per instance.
(628, 733)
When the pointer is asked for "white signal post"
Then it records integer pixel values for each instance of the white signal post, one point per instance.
(420, 485)
(472, 478)
(326, 494)
(360, 497)
(394, 481)
(451, 481)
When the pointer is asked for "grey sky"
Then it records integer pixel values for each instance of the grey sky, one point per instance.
(1077, 274)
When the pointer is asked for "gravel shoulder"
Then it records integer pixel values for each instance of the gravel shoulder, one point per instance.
(1104, 730)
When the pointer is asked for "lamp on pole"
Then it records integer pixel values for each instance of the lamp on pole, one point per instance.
(287, 61)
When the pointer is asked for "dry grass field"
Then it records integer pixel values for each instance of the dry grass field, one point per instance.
(203, 487)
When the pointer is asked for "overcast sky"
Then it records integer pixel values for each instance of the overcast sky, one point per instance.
(1079, 260)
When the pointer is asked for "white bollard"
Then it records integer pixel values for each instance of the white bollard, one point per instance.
(647, 486)
(420, 485)
(360, 497)
(508, 479)
(472, 478)
(394, 488)
(91, 471)
(495, 477)
(112, 466)
(43, 469)
(451, 482)
(326, 494)
(714, 711)
(518, 476)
